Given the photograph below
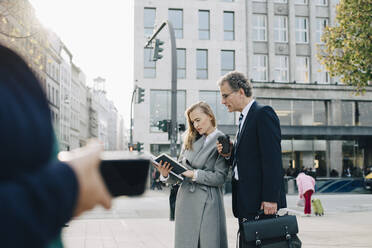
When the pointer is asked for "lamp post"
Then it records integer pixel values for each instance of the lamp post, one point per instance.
(174, 128)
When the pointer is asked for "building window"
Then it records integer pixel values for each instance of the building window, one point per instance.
(303, 2)
(302, 69)
(57, 98)
(283, 109)
(221, 113)
(259, 67)
(202, 64)
(228, 25)
(281, 29)
(227, 61)
(302, 113)
(322, 2)
(280, 1)
(321, 24)
(259, 27)
(160, 107)
(281, 69)
(149, 68)
(181, 63)
(302, 30)
(347, 113)
(176, 17)
(204, 28)
(323, 75)
(149, 15)
(365, 113)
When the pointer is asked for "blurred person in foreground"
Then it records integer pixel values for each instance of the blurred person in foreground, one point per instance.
(200, 214)
(38, 193)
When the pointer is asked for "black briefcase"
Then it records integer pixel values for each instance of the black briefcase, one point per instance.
(275, 232)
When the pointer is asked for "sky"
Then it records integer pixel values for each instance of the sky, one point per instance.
(99, 34)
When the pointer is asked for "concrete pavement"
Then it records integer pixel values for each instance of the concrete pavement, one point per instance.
(142, 222)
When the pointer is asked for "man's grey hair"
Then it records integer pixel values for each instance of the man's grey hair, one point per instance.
(236, 81)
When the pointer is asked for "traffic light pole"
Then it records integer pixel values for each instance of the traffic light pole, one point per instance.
(131, 118)
(174, 129)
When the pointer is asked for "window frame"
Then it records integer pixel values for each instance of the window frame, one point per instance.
(278, 19)
(302, 30)
(206, 64)
(258, 68)
(227, 31)
(257, 29)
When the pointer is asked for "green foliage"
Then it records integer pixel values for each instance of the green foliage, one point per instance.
(348, 45)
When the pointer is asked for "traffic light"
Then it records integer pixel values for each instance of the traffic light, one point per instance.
(139, 146)
(130, 147)
(141, 95)
(181, 127)
(163, 125)
(158, 50)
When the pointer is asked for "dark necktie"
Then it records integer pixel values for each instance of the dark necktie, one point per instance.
(236, 141)
(240, 123)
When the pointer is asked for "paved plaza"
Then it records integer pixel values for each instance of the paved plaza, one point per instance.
(143, 222)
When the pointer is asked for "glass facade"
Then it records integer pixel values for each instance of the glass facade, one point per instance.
(298, 112)
(213, 98)
(160, 107)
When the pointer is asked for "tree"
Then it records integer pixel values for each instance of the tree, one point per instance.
(348, 49)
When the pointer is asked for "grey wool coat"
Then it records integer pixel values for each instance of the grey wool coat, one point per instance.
(200, 214)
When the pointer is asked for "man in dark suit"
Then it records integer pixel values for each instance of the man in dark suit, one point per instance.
(255, 156)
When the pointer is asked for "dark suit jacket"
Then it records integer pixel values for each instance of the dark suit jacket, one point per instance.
(259, 162)
(37, 194)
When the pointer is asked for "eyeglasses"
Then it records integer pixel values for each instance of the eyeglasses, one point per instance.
(225, 96)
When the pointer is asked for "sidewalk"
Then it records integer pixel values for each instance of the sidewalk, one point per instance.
(143, 223)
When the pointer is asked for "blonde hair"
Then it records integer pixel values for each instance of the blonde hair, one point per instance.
(191, 132)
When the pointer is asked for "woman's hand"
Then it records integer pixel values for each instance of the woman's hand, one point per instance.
(164, 169)
(188, 173)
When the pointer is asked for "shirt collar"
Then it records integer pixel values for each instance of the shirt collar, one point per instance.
(247, 108)
(210, 136)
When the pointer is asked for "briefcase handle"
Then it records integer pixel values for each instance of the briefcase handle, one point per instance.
(261, 213)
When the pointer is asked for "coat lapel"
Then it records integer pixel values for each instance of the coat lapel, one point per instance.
(197, 146)
(250, 113)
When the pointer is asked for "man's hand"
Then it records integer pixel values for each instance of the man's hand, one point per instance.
(85, 162)
(269, 208)
(219, 149)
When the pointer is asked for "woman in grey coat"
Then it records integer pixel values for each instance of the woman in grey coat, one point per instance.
(200, 214)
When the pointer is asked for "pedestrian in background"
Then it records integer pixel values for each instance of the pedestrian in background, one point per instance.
(200, 214)
(172, 200)
(306, 186)
(38, 194)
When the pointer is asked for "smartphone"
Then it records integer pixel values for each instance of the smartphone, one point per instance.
(125, 173)
(224, 140)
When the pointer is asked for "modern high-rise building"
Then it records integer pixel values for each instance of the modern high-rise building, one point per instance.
(275, 43)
